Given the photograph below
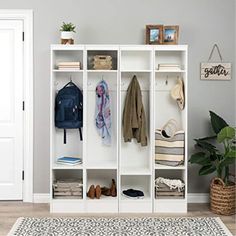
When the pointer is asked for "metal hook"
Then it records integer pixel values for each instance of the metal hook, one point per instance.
(167, 80)
(70, 79)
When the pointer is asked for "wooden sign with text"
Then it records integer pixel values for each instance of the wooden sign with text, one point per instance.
(215, 71)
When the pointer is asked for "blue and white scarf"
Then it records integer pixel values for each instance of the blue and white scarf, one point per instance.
(103, 112)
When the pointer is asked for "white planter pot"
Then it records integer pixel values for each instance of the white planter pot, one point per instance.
(67, 35)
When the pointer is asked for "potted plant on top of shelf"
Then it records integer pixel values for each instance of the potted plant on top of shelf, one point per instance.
(67, 33)
(217, 157)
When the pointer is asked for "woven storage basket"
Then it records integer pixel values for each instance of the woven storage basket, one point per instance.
(222, 197)
(102, 62)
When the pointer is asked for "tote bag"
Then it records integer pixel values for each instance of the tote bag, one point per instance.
(169, 144)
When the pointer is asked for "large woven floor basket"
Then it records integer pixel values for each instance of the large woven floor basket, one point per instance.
(222, 197)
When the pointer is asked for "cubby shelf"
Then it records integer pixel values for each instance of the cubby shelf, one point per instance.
(170, 71)
(103, 164)
(102, 71)
(129, 164)
(56, 166)
(135, 171)
(102, 198)
(146, 197)
(68, 71)
(136, 71)
(164, 167)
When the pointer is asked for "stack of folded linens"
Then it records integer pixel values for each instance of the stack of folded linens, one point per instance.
(169, 187)
(69, 188)
(76, 65)
(169, 66)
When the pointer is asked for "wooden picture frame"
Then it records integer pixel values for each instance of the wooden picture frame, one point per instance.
(171, 34)
(154, 34)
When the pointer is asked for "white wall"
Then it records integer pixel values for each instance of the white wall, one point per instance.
(202, 23)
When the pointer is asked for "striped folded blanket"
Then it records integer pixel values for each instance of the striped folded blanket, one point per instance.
(169, 151)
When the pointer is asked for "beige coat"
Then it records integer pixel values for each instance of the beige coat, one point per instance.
(134, 120)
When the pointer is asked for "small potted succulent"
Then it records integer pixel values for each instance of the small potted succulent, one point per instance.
(67, 33)
(214, 155)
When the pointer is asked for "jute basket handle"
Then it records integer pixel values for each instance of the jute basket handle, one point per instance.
(215, 180)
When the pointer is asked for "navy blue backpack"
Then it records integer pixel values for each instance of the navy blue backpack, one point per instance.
(69, 109)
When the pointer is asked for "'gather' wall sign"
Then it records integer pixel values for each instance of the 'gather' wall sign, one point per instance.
(215, 70)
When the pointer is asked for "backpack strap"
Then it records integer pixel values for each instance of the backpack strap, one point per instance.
(69, 84)
(64, 136)
(80, 134)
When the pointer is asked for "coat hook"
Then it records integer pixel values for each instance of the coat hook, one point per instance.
(70, 79)
(167, 80)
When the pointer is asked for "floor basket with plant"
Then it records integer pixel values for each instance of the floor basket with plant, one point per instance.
(216, 154)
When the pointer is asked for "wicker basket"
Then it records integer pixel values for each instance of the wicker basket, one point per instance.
(102, 62)
(222, 197)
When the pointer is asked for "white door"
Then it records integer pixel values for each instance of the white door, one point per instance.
(11, 113)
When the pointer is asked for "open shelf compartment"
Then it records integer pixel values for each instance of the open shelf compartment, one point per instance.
(67, 56)
(134, 158)
(136, 60)
(99, 154)
(170, 57)
(73, 146)
(75, 176)
(171, 204)
(101, 52)
(138, 182)
(103, 178)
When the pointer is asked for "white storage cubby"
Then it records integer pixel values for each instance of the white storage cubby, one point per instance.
(130, 164)
(134, 158)
(100, 155)
(93, 51)
(141, 182)
(67, 56)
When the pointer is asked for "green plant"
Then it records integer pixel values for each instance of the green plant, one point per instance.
(68, 27)
(216, 158)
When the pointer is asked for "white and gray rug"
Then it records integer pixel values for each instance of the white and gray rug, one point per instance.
(151, 226)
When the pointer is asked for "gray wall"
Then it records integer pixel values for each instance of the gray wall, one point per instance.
(202, 23)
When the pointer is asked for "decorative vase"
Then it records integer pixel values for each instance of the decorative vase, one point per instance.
(67, 37)
(222, 197)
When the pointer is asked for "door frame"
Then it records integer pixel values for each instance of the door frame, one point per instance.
(27, 18)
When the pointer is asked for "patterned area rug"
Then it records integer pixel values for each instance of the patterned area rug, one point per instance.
(189, 226)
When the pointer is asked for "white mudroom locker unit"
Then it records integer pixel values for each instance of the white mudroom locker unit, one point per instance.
(130, 164)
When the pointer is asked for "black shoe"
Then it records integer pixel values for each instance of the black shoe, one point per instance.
(132, 193)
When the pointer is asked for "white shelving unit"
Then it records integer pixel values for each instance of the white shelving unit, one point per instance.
(131, 165)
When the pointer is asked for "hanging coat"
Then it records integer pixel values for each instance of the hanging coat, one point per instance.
(134, 120)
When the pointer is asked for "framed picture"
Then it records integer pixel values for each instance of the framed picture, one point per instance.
(171, 34)
(154, 34)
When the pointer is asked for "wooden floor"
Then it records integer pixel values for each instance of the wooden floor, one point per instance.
(10, 211)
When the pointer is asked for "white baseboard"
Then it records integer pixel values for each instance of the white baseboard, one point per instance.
(198, 198)
(192, 198)
(41, 198)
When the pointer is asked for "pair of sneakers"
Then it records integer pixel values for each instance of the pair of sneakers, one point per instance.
(133, 193)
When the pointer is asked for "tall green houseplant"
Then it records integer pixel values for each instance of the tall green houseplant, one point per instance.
(216, 157)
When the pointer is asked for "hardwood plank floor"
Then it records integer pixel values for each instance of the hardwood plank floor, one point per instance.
(10, 211)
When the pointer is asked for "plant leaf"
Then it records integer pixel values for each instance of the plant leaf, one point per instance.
(200, 158)
(208, 138)
(231, 154)
(217, 122)
(226, 162)
(205, 145)
(226, 133)
(208, 169)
